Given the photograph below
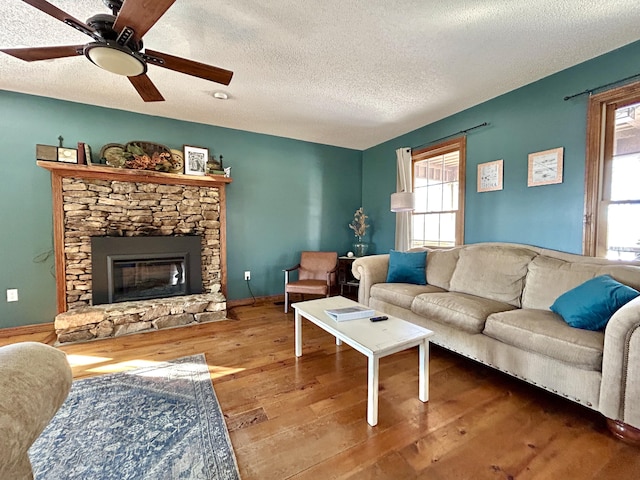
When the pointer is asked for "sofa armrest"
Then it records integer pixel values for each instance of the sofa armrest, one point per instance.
(620, 388)
(34, 382)
(369, 271)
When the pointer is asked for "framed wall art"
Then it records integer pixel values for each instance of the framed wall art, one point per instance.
(545, 168)
(195, 160)
(490, 176)
(67, 155)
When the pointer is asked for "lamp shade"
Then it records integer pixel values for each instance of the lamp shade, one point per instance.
(402, 202)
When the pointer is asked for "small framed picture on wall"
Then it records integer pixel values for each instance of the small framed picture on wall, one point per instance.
(545, 168)
(490, 176)
(195, 160)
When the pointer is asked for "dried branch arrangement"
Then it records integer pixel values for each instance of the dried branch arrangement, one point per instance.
(359, 225)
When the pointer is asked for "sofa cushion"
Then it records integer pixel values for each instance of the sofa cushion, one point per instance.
(591, 304)
(407, 267)
(545, 333)
(494, 272)
(460, 310)
(548, 278)
(441, 265)
(400, 294)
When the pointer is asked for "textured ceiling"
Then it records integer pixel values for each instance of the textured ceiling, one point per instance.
(347, 73)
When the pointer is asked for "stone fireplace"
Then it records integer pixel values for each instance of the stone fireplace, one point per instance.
(128, 208)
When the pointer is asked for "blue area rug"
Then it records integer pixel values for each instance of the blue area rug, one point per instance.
(157, 422)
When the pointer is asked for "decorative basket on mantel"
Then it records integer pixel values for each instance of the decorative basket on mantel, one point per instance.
(142, 155)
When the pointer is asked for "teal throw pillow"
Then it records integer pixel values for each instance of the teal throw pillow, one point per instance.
(590, 306)
(407, 267)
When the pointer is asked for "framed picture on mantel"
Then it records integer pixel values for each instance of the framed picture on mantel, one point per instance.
(195, 160)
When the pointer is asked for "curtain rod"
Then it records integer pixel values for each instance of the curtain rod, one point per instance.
(452, 135)
(591, 90)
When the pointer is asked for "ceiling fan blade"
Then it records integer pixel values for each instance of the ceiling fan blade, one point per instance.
(140, 15)
(44, 53)
(146, 89)
(55, 12)
(190, 67)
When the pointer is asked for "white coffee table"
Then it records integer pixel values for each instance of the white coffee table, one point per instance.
(373, 339)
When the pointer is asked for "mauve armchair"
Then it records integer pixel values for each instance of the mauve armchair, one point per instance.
(316, 275)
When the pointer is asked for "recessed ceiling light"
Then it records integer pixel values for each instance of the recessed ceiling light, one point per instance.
(220, 95)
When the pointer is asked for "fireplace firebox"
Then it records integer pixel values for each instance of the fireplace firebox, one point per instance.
(140, 268)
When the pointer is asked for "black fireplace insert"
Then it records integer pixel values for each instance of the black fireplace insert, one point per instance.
(139, 268)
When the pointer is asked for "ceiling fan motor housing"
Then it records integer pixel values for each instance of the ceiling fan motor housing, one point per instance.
(102, 23)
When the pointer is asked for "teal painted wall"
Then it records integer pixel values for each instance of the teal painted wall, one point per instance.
(526, 120)
(289, 195)
(286, 196)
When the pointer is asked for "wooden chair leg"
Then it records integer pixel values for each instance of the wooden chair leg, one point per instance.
(286, 302)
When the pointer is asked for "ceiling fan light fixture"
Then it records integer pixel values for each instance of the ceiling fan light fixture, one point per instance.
(115, 59)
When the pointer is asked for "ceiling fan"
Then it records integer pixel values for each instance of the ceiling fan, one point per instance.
(117, 45)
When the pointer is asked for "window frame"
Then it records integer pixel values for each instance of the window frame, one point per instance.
(458, 144)
(599, 149)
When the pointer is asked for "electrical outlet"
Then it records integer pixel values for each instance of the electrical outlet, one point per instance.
(12, 294)
(247, 275)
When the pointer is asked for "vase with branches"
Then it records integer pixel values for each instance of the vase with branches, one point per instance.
(359, 226)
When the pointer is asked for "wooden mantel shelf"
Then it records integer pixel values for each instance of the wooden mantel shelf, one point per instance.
(132, 175)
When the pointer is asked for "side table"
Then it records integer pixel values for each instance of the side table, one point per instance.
(345, 277)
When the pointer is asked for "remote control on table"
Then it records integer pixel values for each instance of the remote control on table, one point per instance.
(379, 319)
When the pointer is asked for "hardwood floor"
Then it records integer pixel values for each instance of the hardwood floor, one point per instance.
(305, 418)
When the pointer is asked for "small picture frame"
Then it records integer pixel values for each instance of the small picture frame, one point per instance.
(490, 176)
(195, 160)
(545, 168)
(67, 155)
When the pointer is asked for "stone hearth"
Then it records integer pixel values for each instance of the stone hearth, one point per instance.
(116, 319)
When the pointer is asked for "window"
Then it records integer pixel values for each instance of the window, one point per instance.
(438, 186)
(612, 198)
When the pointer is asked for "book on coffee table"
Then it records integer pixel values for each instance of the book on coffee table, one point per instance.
(349, 313)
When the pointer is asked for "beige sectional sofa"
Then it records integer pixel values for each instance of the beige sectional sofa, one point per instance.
(490, 302)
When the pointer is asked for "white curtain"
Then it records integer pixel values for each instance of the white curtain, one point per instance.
(403, 184)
